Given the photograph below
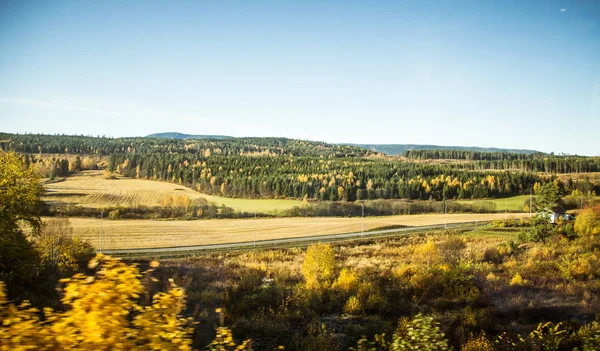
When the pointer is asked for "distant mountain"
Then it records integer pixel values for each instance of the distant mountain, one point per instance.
(398, 149)
(174, 135)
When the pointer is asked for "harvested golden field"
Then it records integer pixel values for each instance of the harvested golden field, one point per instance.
(128, 234)
(91, 189)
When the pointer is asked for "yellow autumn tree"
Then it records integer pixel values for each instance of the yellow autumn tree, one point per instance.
(347, 282)
(319, 265)
(588, 221)
(19, 195)
(19, 191)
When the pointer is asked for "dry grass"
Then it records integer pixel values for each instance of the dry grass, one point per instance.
(125, 234)
(90, 189)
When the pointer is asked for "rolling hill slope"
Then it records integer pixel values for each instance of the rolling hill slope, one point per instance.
(398, 149)
(175, 135)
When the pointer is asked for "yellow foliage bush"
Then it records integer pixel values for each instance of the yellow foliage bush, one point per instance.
(479, 343)
(102, 313)
(352, 306)
(403, 271)
(517, 280)
(427, 252)
(580, 266)
(347, 281)
(588, 221)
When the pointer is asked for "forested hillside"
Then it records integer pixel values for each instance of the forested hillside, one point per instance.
(73, 144)
(288, 168)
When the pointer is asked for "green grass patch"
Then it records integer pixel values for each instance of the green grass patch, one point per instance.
(251, 205)
(514, 203)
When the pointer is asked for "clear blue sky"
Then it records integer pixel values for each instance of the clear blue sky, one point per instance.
(516, 74)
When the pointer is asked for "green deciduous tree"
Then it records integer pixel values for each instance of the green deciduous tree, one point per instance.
(58, 250)
(541, 229)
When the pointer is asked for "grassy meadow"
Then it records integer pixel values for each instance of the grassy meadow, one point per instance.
(91, 189)
(130, 234)
(513, 203)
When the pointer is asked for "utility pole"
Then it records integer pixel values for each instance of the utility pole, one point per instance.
(254, 227)
(101, 218)
(505, 208)
(530, 203)
(362, 233)
(445, 216)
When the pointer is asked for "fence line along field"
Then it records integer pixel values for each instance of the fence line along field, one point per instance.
(130, 234)
(91, 189)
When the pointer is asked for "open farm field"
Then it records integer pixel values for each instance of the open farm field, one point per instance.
(91, 189)
(514, 203)
(129, 234)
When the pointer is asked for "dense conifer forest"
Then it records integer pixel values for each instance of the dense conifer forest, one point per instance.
(288, 168)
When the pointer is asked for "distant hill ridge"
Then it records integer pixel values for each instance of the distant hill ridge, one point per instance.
(388, 149)
(398, 149)
(175, 135)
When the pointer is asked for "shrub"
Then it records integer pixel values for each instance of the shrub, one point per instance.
(371, 298)
(114, 214)
(352, 306)
(517, 280)
(589, 337)
(479, 343)
(583, 266)
(418, 333)
(451, 249)
(347, 281)
(58, 250)
(108, 174)
(426, 253)
(498, 223)
(491, 276)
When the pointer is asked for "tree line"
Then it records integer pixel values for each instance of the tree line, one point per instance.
(347, 179)
(536, 162)
(469, 155)
(87, 145)
(288, 168)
